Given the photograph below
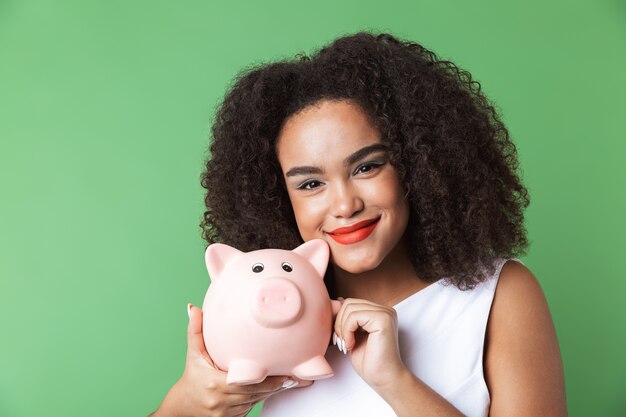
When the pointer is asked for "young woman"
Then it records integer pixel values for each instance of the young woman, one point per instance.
(404, 168)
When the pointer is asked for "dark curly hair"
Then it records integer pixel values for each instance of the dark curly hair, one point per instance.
(445, 139)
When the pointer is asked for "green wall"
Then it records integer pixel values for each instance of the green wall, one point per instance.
(105, 110)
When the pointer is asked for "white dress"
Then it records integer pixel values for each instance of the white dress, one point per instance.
(441, 332)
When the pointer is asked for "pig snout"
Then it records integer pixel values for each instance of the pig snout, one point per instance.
(277, 303)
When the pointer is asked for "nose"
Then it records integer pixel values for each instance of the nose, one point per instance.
(277, 303)
(346, 200)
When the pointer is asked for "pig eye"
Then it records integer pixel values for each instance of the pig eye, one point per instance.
(287, 266)
(257, 268)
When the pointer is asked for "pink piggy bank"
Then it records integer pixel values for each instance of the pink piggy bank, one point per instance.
(267, 312)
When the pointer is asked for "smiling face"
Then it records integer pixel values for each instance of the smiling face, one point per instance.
(341, 185)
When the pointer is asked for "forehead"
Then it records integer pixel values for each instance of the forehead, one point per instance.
(324, 130)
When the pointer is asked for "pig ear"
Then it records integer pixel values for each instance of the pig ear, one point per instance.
(217, 256)
(316, 252)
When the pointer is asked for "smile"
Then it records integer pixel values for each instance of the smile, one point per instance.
(355, 233)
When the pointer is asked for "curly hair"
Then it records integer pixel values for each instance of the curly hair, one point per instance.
(445, 139)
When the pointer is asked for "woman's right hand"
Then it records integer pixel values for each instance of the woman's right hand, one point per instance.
(202, 391)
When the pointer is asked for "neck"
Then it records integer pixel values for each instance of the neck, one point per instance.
(389, 283)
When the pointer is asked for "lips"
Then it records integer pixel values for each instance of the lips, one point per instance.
(355, 232)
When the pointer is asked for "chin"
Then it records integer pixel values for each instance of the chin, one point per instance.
(357, 266)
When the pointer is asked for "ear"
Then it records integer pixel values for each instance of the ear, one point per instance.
(217, 256)
(316, 251)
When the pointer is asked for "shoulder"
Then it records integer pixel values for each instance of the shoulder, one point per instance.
(519, 304)
(523, 367)
(517, 285)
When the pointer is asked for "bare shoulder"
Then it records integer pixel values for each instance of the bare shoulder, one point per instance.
(518, 294)
(523, 367)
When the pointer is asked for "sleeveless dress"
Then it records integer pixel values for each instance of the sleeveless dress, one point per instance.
(441, 334)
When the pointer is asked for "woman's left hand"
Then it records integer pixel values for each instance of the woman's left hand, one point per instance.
(369, 332)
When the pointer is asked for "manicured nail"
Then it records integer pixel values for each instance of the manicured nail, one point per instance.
(334, 339)
(189, 310)
(290, 383)
(343, 347)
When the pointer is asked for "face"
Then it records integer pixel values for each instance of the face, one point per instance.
(342, 187)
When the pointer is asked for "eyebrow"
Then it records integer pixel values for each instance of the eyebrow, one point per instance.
(356, 156)
(363, 152)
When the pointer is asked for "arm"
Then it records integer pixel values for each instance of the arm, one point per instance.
(522, 362)
(411, 398)
(203, 391)
(523, 367)
(369, 332)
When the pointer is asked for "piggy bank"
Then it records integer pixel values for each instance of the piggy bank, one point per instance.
(267, 312)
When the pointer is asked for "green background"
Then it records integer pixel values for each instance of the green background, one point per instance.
(105, 110)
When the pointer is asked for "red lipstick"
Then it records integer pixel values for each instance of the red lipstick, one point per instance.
(354, 233)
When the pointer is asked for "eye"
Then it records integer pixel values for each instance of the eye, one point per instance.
(367, 167)
(309, 185)
(257, 268)
(287, 267)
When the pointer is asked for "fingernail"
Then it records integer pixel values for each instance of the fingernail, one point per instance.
(343, 346)
(290, 383)
(189, 310)
(334, 339)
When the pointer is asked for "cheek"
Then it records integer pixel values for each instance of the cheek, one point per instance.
(388, 193)
(308, 215)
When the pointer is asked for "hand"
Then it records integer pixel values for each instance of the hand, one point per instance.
(203, 391)
(370, 334)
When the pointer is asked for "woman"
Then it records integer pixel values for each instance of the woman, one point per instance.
(404, 168)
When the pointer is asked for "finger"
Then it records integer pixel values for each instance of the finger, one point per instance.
(349, 303)
(370, 321)
(240, 410)
(336, 305)
(269, 385)
(353, 305)
(338, 317)
(235, 400)
(195, 341)
(302, 383)
(337, 337)
(256, 398)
